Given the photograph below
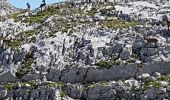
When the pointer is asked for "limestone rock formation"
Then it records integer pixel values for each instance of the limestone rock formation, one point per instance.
(76, 50)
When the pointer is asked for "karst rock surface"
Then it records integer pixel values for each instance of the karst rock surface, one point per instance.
(105, 50)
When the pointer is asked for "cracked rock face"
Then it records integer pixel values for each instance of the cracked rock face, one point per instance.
(86, 51)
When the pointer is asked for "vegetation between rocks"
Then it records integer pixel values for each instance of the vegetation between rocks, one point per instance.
(118, 24)
(104, 64)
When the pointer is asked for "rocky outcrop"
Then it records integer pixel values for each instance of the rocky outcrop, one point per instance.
(6, 8)
(144, 87)
(85, 51)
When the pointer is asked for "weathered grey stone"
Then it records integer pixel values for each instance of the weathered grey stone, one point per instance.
(144, 76)
(151, 94)
(125, 54)
(166, 49)
(29, 77)
(41, 43)
(53, 75)
(117, 48)
(163, 83)
(3, 93)
(168, 88)
(131, 83)
(81, 55)
(74, 75)
(157, 74)
(137, 45)
(74, 91)
(8, 77)
(149, 51)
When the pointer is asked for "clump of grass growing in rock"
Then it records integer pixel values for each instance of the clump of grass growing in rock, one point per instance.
(130, 61)
(25, 68)
(135, 56)
(118, 24)
(89, 85)
(141, 65)
(15, 17)
(92, 12)
(40, 16)
(103, 82)
(28, 33)
(62, 93)
(104, 64)
(117, 62)
(108, 64)
(56, 84)
(11, 86)
(35, 19)
(156, 85)
(2, 18)
(2, 38)
(148, 84)
(163, 78)
(15, 43)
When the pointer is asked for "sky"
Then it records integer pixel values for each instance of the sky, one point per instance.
(34, 3)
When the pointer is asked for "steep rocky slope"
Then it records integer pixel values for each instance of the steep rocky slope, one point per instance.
(6, 8)
(86, 51)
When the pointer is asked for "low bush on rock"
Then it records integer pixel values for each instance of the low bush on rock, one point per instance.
(104, 64)
(148, 84)
(141, 65)
(163, 78)
(118, 24)
(117, 62)
(25, 68)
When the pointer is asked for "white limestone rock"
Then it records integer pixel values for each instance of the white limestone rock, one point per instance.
(144, 76)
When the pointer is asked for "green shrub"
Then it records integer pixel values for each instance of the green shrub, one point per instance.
(11, 86)
(56, 84)
(15, 17)
(62, 93)
(163, 78)
(27, 33)
(104, 64)
(156, 85)
(141, 65)
(34, 19)
(15, 43)
(103, 82)
(92, 12)
(149, 84)
(25, 68)
(117, 62)
(8, 86)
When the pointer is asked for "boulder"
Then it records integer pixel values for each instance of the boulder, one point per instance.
(8, 76)
(157, 74)
(144, 76)
(116, 48)
(41, 43)
(53, 75)
(125, 54)
(168, 88)
(166, 49)
(137, 45)
(151, 94)
(131, 83)
(29, 77)
(81, 55)
(3, 93)
(149, 51)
